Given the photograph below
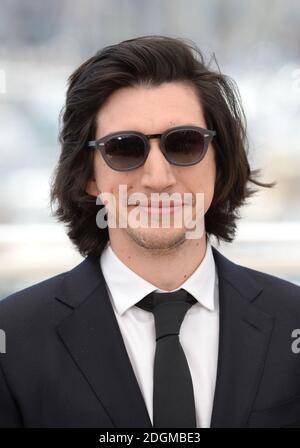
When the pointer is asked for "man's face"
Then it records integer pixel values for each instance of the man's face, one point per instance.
(152, 110)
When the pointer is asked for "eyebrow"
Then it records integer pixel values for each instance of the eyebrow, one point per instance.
(146, 133)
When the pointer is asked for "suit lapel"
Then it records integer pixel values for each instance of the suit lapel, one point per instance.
(92, 336)
(244, 336)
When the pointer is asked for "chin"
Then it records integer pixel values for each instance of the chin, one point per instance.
(160, 239)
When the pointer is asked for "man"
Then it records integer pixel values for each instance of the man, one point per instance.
(154, 327)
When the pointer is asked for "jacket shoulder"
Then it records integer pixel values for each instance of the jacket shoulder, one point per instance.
(270, 292)
(21, 302)
(272, 281)
(278, 294)
(34, 299)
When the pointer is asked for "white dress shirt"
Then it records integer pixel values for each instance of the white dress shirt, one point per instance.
(199, 332)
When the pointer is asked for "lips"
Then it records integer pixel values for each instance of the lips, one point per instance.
(160, 204)
(160, 208)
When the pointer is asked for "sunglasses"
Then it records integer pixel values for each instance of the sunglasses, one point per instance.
(128, 150)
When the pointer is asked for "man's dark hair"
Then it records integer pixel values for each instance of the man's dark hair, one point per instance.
(149, 61)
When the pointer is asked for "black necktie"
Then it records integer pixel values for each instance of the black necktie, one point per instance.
(173, 396)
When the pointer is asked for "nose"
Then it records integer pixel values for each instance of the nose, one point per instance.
(157, 174)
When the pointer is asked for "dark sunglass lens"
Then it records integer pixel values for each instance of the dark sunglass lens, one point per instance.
(125, 152)
(185, 147)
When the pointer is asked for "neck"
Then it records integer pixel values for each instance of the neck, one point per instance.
(167, 270)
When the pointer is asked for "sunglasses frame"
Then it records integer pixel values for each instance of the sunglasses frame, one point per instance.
(100, 143)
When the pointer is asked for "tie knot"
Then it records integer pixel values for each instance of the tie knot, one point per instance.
(168, 308)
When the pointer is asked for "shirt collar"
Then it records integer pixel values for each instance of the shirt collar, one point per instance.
(127, 288)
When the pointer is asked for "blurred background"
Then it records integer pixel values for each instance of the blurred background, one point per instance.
(256, 43)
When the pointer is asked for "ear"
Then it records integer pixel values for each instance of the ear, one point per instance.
(91, 188)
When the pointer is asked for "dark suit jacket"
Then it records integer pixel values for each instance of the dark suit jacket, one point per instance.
(66, 364)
